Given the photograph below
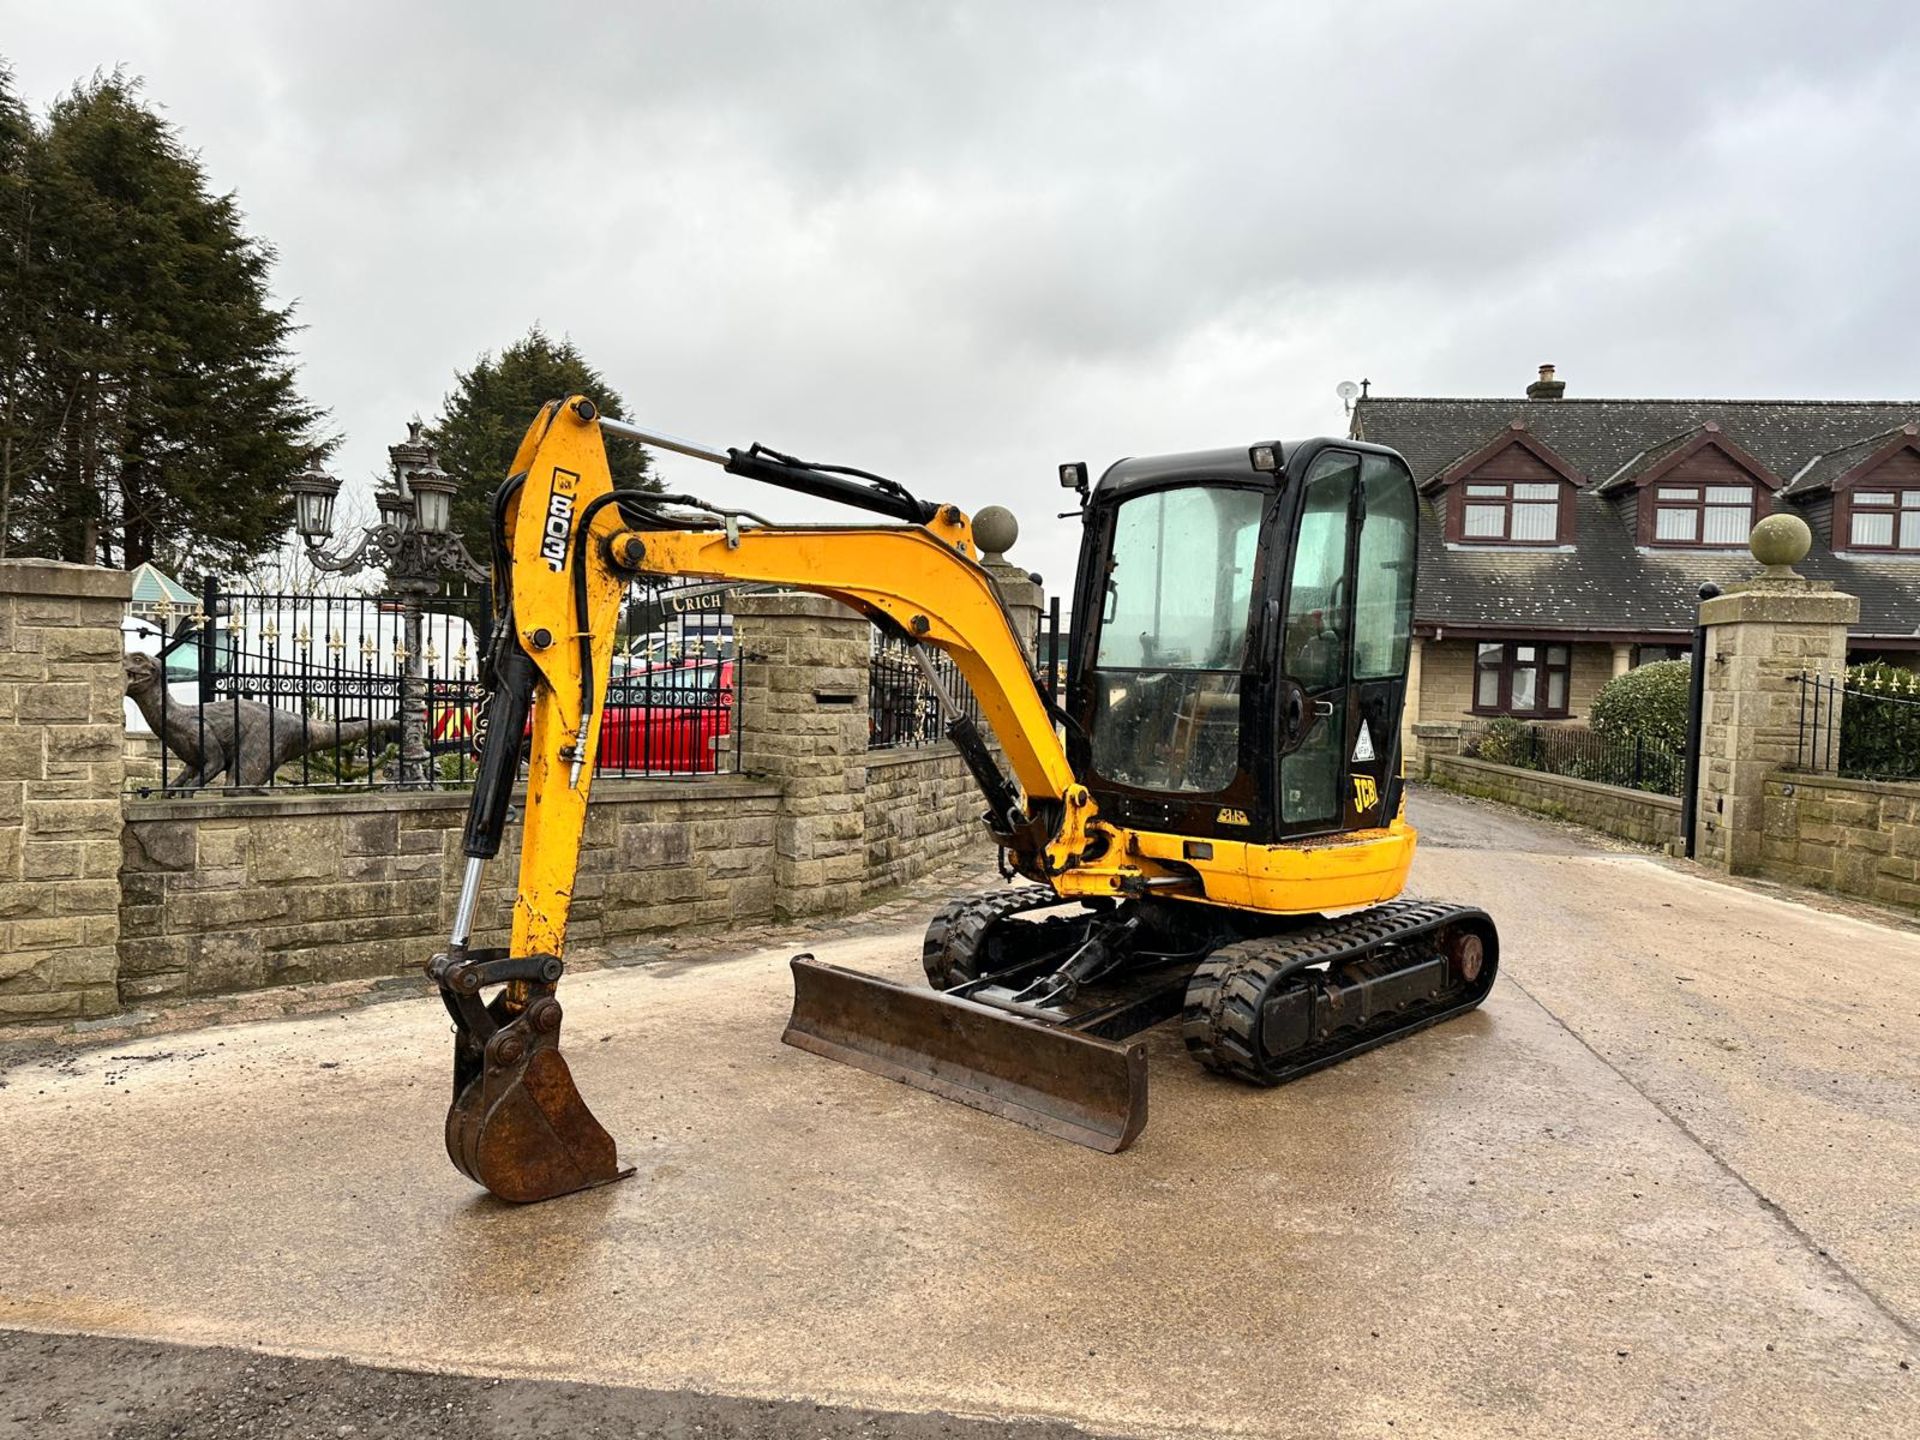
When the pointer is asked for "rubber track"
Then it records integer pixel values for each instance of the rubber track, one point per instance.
(957, 934)
(1221, 1022)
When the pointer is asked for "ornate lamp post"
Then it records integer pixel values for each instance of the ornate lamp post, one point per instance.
(415, 546)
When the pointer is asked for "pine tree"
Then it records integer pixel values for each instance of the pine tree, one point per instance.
(481, 423)
(157, 393)
(16, 140)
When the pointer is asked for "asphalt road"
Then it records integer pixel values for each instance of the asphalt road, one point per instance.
(1661, 1183)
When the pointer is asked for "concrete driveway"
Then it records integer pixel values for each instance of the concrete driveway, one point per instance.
(1663, 1182)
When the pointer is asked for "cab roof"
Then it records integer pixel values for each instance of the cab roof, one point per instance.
(1140, 472)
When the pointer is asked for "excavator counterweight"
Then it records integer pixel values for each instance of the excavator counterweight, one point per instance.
(1211, 826)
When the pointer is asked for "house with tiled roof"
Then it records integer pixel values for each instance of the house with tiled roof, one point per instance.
(1564, 540)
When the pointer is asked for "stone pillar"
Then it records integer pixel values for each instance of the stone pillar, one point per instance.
(62, 769)
(1761, 636)
(994, 530)
(1622, 659)
(804, 669)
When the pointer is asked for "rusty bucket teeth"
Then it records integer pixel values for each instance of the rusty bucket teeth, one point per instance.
(1059, 1081)
(520, 1128)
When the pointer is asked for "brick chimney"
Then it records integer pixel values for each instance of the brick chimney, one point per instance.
(1546, 387)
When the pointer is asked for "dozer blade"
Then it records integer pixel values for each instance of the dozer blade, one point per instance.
(1059, 1081)
(520, 1128)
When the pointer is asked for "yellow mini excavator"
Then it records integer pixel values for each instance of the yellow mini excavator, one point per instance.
(1219, 837)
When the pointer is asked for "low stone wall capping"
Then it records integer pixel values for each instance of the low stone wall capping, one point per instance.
(1636, 815)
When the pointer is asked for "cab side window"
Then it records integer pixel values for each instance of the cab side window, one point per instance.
(1383, 583)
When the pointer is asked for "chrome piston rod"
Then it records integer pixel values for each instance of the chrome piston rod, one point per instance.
(665, 442)
(469, 901)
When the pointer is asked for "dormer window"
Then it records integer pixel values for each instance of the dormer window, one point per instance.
(1516, 511)
(1886, 520)
(1697, 489)
(1513, 490)
(1875, 485)
(1702, 514)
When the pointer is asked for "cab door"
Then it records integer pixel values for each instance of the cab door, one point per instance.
(1314, 649)
(1344, 640)
(1386, 512)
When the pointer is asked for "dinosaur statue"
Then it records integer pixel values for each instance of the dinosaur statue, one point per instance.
(243, 739)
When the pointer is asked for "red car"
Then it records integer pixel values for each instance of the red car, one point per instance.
(667, 719)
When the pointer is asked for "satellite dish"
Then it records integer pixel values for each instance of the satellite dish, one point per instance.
(1346, 390)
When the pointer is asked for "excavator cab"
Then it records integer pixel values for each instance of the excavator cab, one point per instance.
(1238, 661)
(1209, 829)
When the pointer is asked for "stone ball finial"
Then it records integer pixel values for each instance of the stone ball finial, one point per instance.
(1781, 542)
(994, 531)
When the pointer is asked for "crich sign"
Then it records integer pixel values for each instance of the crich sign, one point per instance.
(653, 611)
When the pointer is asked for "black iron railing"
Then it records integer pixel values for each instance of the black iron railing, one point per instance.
(903, 709)
(1865, 726)
(1633, 762)
(251, 690)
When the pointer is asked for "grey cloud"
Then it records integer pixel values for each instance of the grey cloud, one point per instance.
(961, 242)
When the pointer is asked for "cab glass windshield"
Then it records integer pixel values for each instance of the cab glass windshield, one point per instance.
(1173, 638)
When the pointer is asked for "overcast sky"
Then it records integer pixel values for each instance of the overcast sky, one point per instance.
(960, 243)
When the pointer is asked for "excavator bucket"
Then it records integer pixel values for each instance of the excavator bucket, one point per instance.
(522, 1130)
(517, 1124)
(1055, 1080)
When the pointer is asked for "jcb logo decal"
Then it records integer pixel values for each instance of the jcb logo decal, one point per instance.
(559, 525)
(1232, 817)
(1366, 794)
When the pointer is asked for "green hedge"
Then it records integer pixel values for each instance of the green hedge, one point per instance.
(1650, 702)
(1880, 723)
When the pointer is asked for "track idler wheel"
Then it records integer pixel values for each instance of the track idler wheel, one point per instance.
(517, 1124)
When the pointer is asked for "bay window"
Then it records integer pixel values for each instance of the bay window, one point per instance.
(1885, 520)
(1521, 677)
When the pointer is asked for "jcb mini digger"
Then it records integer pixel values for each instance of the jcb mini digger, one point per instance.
(1218, 838)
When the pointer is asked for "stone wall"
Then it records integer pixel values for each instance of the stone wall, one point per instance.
(922, 810)
(1636, 815)
(1853, 837)
(232, 894)
(109, 899)
(61, 774)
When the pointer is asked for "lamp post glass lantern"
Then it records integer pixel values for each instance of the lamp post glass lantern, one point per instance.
(415, 547)
(313, 495)
(433, 491)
